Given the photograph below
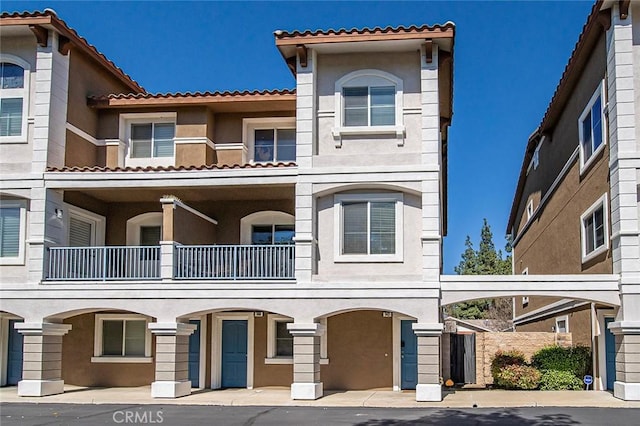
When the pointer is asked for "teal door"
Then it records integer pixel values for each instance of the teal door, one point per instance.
(234, 354)
(194, 355)
(408, 356)
(610, 353)
(14, 356)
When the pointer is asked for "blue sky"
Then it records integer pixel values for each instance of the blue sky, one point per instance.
(508, 59)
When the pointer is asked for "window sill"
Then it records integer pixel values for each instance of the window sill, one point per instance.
(339, 132)
(13, 139)
(289, 361)
(584, 168)
(369, 258)
(595, 253)
(121, 359)
(15, 261)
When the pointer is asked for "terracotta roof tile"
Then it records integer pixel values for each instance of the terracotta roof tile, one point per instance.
(280, 34)
(77, 39)
(169, 168)
(207, 94)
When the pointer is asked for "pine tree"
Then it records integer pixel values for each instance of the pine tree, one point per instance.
(484, 261)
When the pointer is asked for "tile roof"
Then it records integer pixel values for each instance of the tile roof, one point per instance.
(50, 17)
(208, 94)
(280, 34)
(568, 80)
(169, 168)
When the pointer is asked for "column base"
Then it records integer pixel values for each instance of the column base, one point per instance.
(306, 391)
(626, 391)
(428, 393)
(168, 389)
(40, 387)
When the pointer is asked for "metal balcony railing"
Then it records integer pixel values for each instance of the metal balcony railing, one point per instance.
(104, 263)
(235, 262)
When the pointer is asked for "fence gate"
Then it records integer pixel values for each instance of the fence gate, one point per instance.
(463, 358)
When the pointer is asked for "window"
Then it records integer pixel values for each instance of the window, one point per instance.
(562, 324)
(369, 106)
(145, 229)
(121, 338)
(369, 225)
(270, 139)
(595, 236)
(529, 209)
(148, 139)
(14, 82)
(274, 145)
(272, 234)
(525, 301)
(368, 102)
(12, 232)
(86, 229)
(591, 129)
(152, 140)
(280, 341)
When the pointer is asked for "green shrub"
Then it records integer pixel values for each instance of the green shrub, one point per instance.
(559, 380)
(575, 360)
(502, 359)
(518, 377)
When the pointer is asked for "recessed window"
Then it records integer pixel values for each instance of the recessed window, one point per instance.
(274, 145)
(369, 106)
(562, 324)
(13, 98)
(525, 301)
(122, 338)
(269, 139)
(272, 234)
(12, 232)
(152, 140)
(529, 209)
(594, 229)
(284, 340)
(592, 128)
(369, 226)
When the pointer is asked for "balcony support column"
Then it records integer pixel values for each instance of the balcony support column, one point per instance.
(167, 259)
(42, 358)
(306, 360)
(428, 388)
(172, 359)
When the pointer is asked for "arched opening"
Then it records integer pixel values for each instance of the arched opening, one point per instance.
(267, 227)
(145, 229)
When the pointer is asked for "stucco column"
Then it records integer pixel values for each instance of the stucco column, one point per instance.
(306, 360)
(42, 358)
(304, 238)
(428, 387)
(172, 359)
(627, 384)
(167, 244)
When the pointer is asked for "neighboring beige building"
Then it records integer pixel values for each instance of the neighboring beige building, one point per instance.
(573, 211)
(245, 239)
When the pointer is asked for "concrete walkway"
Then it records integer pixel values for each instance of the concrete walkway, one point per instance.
(273, 396)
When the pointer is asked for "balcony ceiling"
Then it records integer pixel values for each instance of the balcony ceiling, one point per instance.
(236, 193)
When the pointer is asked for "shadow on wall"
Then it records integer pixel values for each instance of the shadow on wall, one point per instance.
(480, 417)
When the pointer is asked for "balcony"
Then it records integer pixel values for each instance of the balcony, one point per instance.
(189, 262)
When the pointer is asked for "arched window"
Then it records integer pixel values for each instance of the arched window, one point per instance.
(145, 229)
(369, 102)
(267, 227)
(14, 81)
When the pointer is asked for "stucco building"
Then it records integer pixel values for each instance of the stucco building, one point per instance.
(245, 239)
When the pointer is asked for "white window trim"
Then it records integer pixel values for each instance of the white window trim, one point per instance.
(250, 125)
(272, 359)
(369, 78)
(18, 93)
(564, 318)
(602, 201)
(584, 165)
(368, 258)
(135, 223)
(126, 120)
(22, 205)
(216, 346)
(98, 223)
(97, 342)
(529, 210)
(267, 217)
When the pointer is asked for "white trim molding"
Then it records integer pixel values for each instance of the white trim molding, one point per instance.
(249, 127)
(397, 198)
(559, 319)
(272, 357)
(216, 346)
(98, 356)
(126, 120)
(586, 162)
(368, 78)
(599, 203)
